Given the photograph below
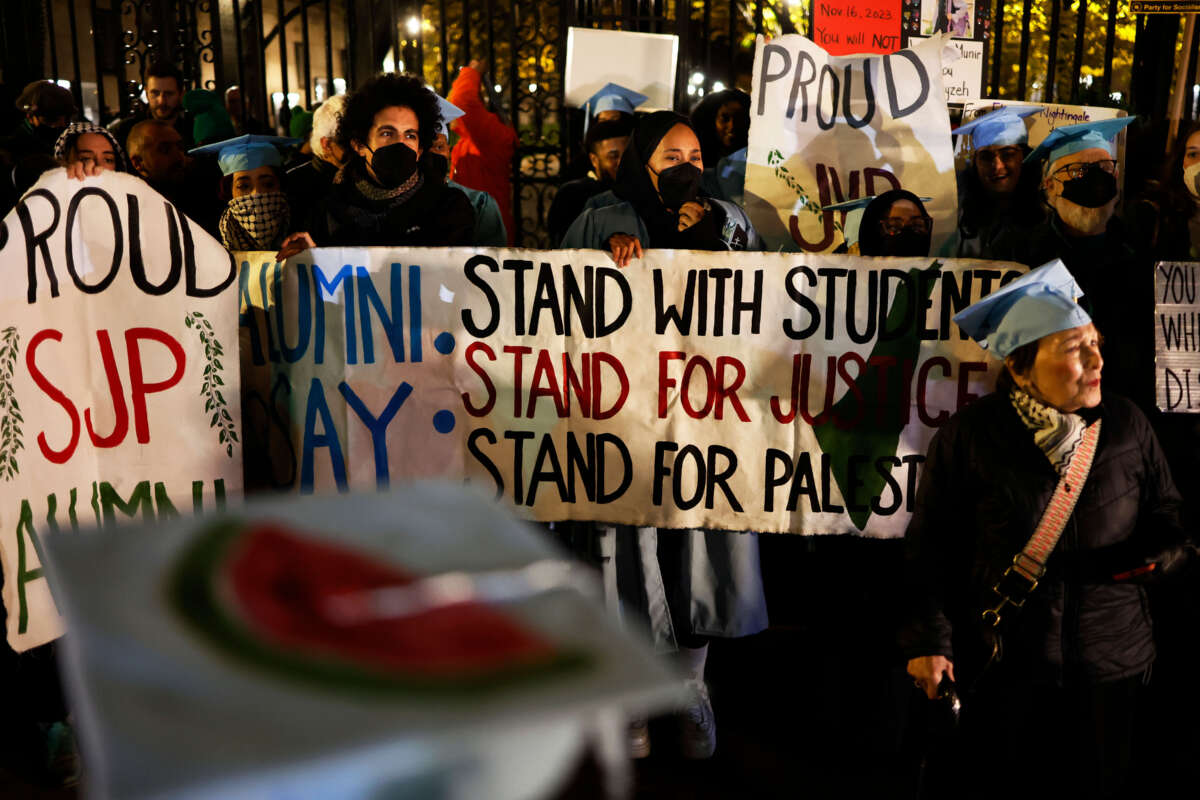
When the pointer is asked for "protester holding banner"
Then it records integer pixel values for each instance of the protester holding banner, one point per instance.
(995, 192)
(387, 193)
(257, 216)
(86, 149)
(1048, 638)
(658, 183)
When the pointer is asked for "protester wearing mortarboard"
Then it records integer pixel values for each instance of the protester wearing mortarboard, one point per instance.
(693, 584)
(489, 224)
(257, 216)
(995, 193)
(1080, 184)
(612, 103)
(658, 184)
(1048, 451)
(388, 194)
(483, 155)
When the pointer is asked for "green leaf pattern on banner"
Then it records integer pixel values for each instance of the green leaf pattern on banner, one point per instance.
(775, 159)
(214, 401)
(10, 412)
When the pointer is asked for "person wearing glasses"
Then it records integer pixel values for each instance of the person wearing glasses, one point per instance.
(995, 192)
(895, 223)
(1081, 187)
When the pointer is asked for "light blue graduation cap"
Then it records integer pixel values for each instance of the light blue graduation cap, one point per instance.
(613, 98)
(450, 112)
(998, 128)
(1070, 139)
(247, 152)
(1041, 302)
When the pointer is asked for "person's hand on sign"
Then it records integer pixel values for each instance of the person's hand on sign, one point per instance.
(927, 673)
(690, 214)
(624, 247)
(294, 244)
(84, 168)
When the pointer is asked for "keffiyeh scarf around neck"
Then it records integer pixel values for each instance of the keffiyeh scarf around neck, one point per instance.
(1056, 433)
(255, 221)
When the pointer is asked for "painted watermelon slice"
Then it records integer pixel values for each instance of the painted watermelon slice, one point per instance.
(263, 593)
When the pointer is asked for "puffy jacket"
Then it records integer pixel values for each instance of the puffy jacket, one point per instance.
(983, 489)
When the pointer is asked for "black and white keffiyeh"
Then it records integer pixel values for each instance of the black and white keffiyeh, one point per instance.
(255, 221)
(1055, 432)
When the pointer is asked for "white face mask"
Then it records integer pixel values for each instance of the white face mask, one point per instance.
(1191, 179)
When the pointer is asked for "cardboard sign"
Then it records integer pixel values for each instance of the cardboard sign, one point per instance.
(119, 393)
(859, 26)
(735, 391)
(1177, 337)
(1039, 125)
(644, 62)
(824, 129)
(962, 78)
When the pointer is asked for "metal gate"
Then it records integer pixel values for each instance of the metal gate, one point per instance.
(298, 52)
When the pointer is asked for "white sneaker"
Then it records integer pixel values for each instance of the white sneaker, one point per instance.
(698, 733)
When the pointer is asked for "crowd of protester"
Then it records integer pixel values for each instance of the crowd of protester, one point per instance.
(394, 164)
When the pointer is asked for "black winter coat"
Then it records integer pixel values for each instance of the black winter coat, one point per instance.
(983, 489)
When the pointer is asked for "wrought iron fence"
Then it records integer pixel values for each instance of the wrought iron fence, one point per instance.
(298, 52)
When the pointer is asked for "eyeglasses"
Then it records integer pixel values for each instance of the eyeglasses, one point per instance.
(891, 227)
(1006, 154)
(1073, 172)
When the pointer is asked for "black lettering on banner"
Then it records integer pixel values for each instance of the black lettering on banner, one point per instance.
(35, 242)
(865, 119)
(137, 267)
(804, 301)
(911, 57)
(603, 275)
(823, 124)
(884, 466)
(603, 496)
(769, 52)
(118, 243)
(189, 265)
(468, 318)
(800, 86)
(518, 267)
(481, 457)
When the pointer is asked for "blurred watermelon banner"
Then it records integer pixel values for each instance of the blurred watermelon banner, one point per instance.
(736, 391)
(118, 374)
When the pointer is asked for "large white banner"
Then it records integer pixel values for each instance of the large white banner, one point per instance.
(824, 129)
(119, 389)
(737, 391)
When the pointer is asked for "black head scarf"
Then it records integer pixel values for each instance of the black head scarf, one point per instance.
(633, 185)
(871, 239)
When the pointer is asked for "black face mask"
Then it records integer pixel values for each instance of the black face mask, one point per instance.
(393, 164)
(906, 243)
(1095, 189)
(679, 184)
(439, 166)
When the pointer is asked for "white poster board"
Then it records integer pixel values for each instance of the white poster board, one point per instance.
(644, 62)
(962, 79)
